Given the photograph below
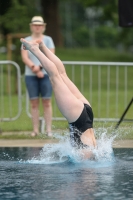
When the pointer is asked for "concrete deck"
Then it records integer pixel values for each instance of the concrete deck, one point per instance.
(42, 142)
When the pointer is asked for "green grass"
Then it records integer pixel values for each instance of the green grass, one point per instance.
(93, 54)
(23, 123)
(3, 56)
(125, 131)
(14, 136)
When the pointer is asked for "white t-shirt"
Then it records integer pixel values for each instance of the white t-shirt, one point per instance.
(49, 43)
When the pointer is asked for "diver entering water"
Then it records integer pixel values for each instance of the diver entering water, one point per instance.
(84, 122)
(72, 104)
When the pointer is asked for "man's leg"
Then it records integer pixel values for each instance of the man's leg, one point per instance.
(47, 115)
(35, 116)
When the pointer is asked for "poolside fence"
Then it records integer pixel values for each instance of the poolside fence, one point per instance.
(107, 86)
(9, 84)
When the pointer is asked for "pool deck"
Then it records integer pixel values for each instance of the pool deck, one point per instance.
(42, 142)
(122, 143)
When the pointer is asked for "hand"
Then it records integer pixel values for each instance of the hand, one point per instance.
(40, 74)
(36, 69)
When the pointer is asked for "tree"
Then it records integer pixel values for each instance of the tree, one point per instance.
(110, 10)
(4, 6)
(17, 16)
(50, 12)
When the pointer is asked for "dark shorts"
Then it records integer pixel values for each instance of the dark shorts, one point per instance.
(84, 122)
(38, 87)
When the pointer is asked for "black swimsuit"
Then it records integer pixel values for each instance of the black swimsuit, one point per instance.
(84, 122)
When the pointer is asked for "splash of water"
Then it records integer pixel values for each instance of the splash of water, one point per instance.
(63, 151)
(104, 150)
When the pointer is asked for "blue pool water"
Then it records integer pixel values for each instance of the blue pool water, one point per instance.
(56, 172)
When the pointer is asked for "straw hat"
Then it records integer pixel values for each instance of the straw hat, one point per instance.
(38, 20)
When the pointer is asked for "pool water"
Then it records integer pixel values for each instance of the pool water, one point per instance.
(56, 172)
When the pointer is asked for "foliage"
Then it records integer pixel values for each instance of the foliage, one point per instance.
(16, 19)
(73, 26)
(76, 27)
(81, 36)
(110, 9)
(106, 36)
(122, 36)
(126, 37)
(18, 15)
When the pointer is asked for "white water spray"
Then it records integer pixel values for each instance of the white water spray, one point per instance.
(63, 151)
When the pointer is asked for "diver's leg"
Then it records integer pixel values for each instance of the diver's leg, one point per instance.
(62, 72)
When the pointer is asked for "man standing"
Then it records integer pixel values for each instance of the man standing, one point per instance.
(37, 81)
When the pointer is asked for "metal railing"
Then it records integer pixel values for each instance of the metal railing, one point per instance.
(107, 86)
(10, 91)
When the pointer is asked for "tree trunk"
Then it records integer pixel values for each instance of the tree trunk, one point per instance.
(51, 17)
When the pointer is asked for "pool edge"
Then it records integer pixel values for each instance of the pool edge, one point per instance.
(41, 143)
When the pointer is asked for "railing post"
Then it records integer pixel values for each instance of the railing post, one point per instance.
(9, 95)
(42, 125)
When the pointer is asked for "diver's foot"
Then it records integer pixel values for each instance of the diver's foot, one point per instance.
(40, 43)
(31, 46)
